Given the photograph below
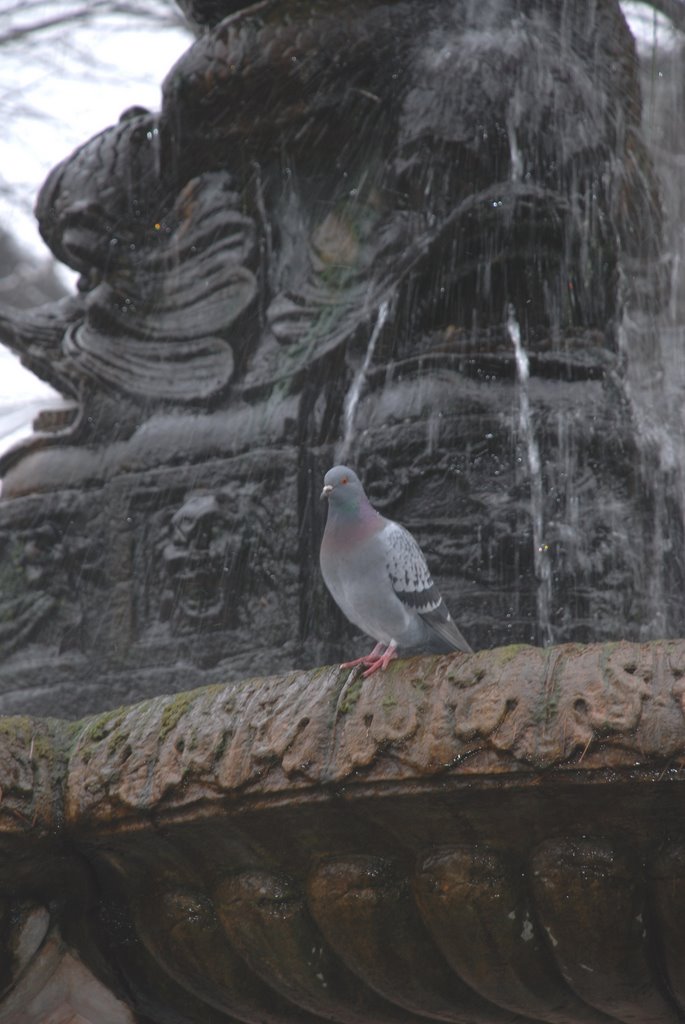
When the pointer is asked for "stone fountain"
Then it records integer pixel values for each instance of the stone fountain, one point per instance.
(407, 234)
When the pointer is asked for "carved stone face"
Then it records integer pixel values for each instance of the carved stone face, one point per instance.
(195, 557)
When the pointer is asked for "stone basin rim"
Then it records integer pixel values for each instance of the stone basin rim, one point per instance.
(238, 805)
(511, 719)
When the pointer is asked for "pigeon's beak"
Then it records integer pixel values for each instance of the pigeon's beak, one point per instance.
(326, 491)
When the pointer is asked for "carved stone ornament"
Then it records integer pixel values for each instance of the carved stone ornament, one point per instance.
(308, 164)
(471, 838)
(322, 248)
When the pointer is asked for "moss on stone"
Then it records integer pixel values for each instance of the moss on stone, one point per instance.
(352, 696)
(117, 741)
(174, 712)
(98, 729)
(19, 728)
(503, 655)
(26, 735)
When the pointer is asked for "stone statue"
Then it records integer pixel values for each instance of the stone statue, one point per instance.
(300, 171)
(408, 230)
(464, 168)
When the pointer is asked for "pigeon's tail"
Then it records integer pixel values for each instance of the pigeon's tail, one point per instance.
(441, 623)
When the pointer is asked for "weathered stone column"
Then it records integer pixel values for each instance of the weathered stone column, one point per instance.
(472, 838)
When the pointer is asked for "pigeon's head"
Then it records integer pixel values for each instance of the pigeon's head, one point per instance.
(343, 488)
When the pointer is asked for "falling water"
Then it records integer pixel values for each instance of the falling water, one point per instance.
(354, 394)
(543, 568)
(653, 340)
(516, 172)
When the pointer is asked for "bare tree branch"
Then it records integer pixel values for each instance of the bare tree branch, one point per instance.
(45, 41)
(158, 12)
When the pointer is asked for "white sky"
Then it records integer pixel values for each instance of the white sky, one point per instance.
(93, 76)
(64, 102)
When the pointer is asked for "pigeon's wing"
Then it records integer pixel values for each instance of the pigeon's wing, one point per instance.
(413, 584)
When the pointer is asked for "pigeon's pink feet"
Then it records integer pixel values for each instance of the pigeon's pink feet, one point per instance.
(382, 662)
(368, 659)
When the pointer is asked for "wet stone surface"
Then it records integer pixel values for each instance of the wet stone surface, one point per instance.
(324, 245)
(404, 233)
(461, 838)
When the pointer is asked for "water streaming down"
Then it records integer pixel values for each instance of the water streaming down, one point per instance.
(354, 393)
(543, 569)
(652, 335)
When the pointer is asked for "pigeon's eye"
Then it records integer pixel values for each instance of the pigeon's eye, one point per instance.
(343, 480)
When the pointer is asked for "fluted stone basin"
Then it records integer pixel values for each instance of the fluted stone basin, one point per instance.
(470, 838)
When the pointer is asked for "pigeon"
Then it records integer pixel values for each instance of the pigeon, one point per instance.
(377, 575)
